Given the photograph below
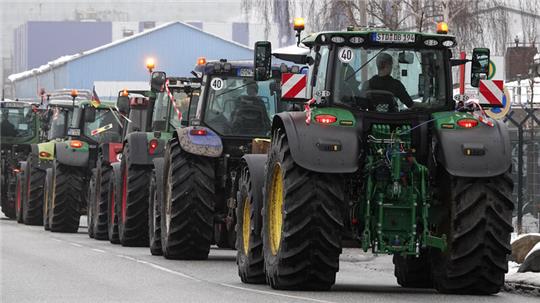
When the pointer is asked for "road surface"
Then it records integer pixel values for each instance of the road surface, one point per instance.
(37, 265)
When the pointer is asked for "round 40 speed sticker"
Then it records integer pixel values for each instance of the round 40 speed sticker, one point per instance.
(345, 54)
(217, 84)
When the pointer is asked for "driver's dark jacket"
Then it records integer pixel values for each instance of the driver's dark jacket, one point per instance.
(391, 85)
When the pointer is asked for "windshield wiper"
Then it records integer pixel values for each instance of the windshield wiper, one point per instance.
(363, 65)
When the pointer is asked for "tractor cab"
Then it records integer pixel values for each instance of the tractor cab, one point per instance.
(18, 122)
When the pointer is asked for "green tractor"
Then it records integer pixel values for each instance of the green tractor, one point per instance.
(55, 119)
(196, 186)
(74, 158)
(19, 129)
(153, 116)
(384, 156)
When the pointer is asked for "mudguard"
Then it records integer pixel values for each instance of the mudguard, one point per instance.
(481, 151)
(110, 152)
(256, 164)
(139, 150)
(208, 145)
(45, 150)
(317, 147)
(70, 156)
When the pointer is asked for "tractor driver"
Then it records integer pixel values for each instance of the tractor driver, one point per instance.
(7, 129)
(385, 82)
(250, 114)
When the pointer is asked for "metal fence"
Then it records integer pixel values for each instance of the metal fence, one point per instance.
(523, 121)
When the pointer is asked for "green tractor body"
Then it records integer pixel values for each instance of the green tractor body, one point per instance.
(382, 155)
(201, 169)
(89, 126)
(19, 129)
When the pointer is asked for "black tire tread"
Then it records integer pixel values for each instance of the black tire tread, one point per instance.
(64, 214)
(101, 215)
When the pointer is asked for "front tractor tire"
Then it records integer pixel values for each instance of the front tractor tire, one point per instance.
(187, 214)
(154, 216)
(249, 256)
(67, 197)
(101, 202)
(412, 271)
(133, 216)
(478, 227)
(302, 223)
(113, 207)
(20, 191)
(47, 198)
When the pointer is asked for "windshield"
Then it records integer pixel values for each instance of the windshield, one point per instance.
(390, 80)
(238, 106)
(17, 122)
(60, 118)
(105, 127)
(159, 117)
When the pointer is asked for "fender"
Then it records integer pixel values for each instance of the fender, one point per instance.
(45, 150)
(256, 164)
(208, 145)
(68, 155)
(139, 148)
(481, 151)
(312, 146)
(110, 152)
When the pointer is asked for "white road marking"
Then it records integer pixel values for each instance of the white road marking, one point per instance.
(75, 244)
(275, 294)
(57, 240)
(159, 267)
(98, 250)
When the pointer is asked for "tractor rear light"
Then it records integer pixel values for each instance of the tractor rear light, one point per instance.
(16, 170)
(44, 154)
(75, 144)
(198, 132)
(325, 119)
(152, 145)
(467, 123)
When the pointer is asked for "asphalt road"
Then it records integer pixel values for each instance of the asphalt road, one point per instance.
(39, 266)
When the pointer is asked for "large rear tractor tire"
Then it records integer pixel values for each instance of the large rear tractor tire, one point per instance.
(47, 198)
(133, 219)
(101, 204)
(67, 198)
(91, 200)
(412, 271)
(33, 200)
(249, 244)
(112, 206)
(302, 222)
(9, 195)
(187, 214)
(478, 226)
(154, 216)
(20, 191)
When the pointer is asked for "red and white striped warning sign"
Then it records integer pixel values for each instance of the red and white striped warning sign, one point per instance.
(491, 93)
(293, 86)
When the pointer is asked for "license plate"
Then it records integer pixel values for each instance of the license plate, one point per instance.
(393, 38)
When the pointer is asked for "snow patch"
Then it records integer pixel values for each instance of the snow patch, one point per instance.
(535, 248)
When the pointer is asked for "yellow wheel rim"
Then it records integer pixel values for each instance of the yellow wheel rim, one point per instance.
(246, 225)
(275, 218)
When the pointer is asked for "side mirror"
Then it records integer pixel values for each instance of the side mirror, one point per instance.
(89, 114)
(157, 81)
(262, 61)
(480, 65)
(123, 104)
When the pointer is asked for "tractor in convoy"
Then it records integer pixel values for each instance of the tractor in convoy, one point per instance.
(383, 155)
(153, 116)
(19, 129)
(92, 124)
(56, 115)
(196, 185)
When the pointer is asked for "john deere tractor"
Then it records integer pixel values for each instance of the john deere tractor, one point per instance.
(152, 119)
(201, 163)
(19, 128)
(74, 158)
(383, 155)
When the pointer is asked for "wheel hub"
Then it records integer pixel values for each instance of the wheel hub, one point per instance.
(275, 218)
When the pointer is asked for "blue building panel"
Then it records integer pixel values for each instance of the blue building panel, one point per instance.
(175, 48)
